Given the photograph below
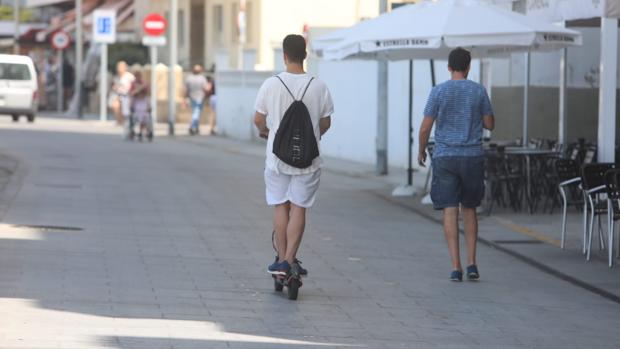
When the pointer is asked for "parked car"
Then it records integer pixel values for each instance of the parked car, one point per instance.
(18, 87)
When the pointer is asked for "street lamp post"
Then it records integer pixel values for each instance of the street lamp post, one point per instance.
(174, 27)
(78, 56)
(16, 35)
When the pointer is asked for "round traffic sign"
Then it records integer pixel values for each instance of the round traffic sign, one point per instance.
(154, 24)
(60, 40)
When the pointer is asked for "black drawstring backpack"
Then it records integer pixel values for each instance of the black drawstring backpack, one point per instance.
(295, 143)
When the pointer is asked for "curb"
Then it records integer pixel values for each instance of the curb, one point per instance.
(525, 259)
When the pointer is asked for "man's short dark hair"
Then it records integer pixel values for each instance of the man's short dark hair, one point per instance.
(459, 59)
(294, 47)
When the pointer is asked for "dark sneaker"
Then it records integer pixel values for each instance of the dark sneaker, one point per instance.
(456, 276)
(279, 268)
(472, 273)
(302, 270)
(295, 270)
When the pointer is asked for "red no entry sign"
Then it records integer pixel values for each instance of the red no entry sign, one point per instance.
(154, 25)
(60, 40)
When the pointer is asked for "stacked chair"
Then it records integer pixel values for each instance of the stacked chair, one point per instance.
(594, 189)
(567, 171)
(505, 182)
(612, 186)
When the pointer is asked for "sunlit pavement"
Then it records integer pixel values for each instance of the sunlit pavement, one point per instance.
(111, 244)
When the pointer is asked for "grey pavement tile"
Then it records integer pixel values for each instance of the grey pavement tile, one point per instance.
(164, 263)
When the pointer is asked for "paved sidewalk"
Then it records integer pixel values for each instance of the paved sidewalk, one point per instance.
(164, 245)
(534, 239)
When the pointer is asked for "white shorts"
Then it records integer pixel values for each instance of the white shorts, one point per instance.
(298, 189)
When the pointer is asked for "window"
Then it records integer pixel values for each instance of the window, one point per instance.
(218, 12)
(180, 26)
(248, 23)
(234, 33)
(218, 23)
(13, 71)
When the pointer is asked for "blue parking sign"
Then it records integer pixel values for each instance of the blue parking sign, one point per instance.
(104, 26)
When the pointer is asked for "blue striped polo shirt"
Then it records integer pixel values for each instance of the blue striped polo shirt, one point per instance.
(458, 107)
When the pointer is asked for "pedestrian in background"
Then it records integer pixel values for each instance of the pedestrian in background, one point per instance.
(212, 105)
(141, 109)
(52, 67)
(68, 81)
(291, 190)
(460, 108)
(120, 100)
(196, 89)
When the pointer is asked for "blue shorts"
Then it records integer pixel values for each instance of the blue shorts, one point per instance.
(457, 180)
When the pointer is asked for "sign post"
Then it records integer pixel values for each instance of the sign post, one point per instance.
(79, 57)
(104, 33)
(60, 42)
(174, 46)
(154, 27)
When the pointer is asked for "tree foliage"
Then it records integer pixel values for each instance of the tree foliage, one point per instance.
(6, 14)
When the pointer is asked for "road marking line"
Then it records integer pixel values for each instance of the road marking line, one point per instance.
(527, 231)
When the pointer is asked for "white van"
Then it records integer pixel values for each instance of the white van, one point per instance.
(18, 87)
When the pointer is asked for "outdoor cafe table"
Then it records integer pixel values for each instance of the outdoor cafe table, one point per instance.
(527, 154)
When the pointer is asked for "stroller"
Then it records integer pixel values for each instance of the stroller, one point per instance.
(140, 113)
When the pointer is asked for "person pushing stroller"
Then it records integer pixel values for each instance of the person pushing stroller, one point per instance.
(140, 110)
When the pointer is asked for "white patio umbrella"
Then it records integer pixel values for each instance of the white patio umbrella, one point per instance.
(429, 30)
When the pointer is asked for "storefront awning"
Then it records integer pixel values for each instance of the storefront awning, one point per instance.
(66, 21)
(41, 3)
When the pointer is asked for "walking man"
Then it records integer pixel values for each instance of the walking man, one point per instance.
(460, 108)
(291, 190)
(196, 88)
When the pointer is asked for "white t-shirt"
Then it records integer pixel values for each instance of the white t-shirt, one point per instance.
(273, 100)
(122, 84)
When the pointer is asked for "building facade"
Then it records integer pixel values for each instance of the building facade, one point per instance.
(209, 31)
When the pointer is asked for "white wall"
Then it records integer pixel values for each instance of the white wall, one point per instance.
(354, 125)
(353, 85)
(236, 94)
(398, 104)
(583, 63)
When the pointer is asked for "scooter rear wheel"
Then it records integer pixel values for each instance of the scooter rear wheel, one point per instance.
(293, 288)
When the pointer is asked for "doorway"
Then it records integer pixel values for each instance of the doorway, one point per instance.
(197, 33)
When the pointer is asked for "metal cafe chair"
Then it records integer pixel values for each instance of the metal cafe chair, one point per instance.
(590, 154)
(567, 171)
(612, 186)
(503, 179)
(593, 184)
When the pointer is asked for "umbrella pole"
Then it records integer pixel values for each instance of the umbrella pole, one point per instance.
(562, 93)
(410, 168)
(408, 190)
(526, 92)
(433, 72)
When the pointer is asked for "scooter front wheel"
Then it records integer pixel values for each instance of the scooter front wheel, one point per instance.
(277, 285)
